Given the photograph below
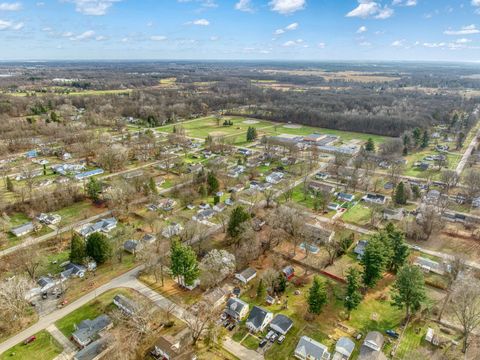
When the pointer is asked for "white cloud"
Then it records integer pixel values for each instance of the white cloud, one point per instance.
(434, 45)
(279, 32)
(10, 25)
(321, 45)
(361, 29)
(101, 38)
(203, 3)
(291, 43)
(404, 2)
(475, 2)
(10, 6)
(201, 22)
(463, 41)
(92, 7)
(398, 43)
(158, 38)
(287, 6)
(214, 38)
(370, 9)
(244, 5)
(125, 40)
(292, 26)
(87, 35)
(465, 30)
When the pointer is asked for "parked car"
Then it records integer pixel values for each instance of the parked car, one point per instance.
(231, 326)
(263, 343)
(30, 340)
(392, 334)
(281, 338)
(269, 334)
(273, 337)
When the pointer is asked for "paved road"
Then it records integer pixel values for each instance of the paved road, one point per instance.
(37, 240)
(473, 145)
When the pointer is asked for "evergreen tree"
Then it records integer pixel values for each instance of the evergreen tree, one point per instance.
(425, 140)
(99, 248)
(416, 134)
(78, 249)
(353, 296)
(416, 191)
(409, 289)
(400, 249)
(370, 145)
(281, 284)
(405, 151)
(10, 186)
(212, 183)
(406, 140)
(152, 186)
(93, 189)
(184, 264)
(317, 296)
(400, 194)
(237, 218)
(216, 199)
(261, 290)
(374, 259)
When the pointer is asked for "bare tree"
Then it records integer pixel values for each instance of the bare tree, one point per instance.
(465, 305)
(198, 320)
(457, 265)
(13, 293)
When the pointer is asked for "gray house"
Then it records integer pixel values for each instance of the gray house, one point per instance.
(309, 349)
(258, 319)
(343, 349)
(88, 330)
(281, 324)
(237, 309)
(23, 230)
(125, 304)
(372, 347)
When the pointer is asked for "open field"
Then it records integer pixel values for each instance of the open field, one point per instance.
(45, 347)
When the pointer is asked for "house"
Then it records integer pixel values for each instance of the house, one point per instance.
(125, 304)
(245, 152)
(393, 214)
(23, 230)
(237, 309)
(94, 351)
(73, 270)
(194, 168)
(166, 204)
(229, 202)
(171, 230)
(422, 165)
(288, 272)
(372, 347)
(204, 206)
(428, 265)
(68, 169)
(343, 349)
(476, 202)
(219, 207)
(236, 171)
(281, 324)
(321, 176)
(87, 174)
(132, 174)
(374, 199)
(318, 187)
(333, 206)
(258, 319)
(360, 248)
(31, 154)
(132, 246)
(345, 197)
(432, 196)
(88, 330)
(309, 349)
(216, 297)
(104, 226)
(176, 347)
(203, 215)
(274, 177)
(237, 188)
(45, 283)
(246, 275)
(270, 300)
(66, 156)
(149, 239)
(49, 219)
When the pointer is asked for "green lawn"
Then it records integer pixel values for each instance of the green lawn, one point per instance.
(44, 348)
(101, 305)
(359, 214)
(251, 342)
(75, 212)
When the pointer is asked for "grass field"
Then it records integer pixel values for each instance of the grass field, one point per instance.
(44, 348)
(359, 214)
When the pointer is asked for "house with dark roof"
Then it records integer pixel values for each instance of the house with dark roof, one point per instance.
(246, 275)
(125, 304)
(309, 349)
(428, 265)
(281, 324)
(372, 347)
(174, 347)
(23, 230)
(393, 214)
(343, 349)
(258, 319)
(73, 270)
(345, 197)
(374, 198)
(88, 330)
(215, 297)
(104, 226)
(237, 309)
(93, 351)
(132, 246)
(45, 283)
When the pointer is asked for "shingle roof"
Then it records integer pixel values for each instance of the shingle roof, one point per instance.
(257, 316)
(281, 323)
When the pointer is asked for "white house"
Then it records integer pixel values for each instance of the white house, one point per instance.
(309, 349)
(246, 275)
(258, 319)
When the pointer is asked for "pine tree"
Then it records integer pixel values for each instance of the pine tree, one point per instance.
(370, 145)
(400, 249)
(261, 290)
(353, 296)
(400, 194)
(93, 189)
(409, 289)
(281, 284)
(152, 186)
(425, 140)
(10, 186)
(317, 296)
(375, 259)
(212, 183)
(99, 248)
(78, 249)
(237, 218)
(416, 134)
(184, 264)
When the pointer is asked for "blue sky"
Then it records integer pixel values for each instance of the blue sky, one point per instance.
(241, 29)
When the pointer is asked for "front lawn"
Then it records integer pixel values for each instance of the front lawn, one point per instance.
(45, 347)
(360, 214)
